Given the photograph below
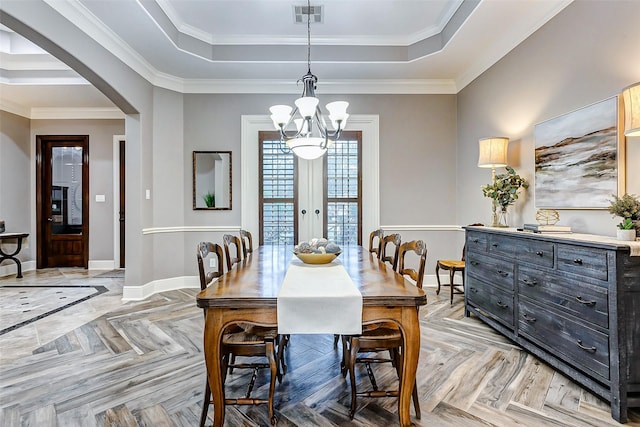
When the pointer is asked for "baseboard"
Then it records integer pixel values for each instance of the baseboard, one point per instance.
(12, 269)
(102, 264)
(137, 293)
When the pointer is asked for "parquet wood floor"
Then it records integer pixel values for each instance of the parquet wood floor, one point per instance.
(141, 364)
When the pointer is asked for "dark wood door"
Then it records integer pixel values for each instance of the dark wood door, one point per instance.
(121, 208)
(62, 169)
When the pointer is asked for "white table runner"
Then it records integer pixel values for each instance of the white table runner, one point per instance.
(319, 299)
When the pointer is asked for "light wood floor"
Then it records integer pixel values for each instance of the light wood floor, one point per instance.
(104, 363)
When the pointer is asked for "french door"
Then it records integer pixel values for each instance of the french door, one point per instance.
(62, 199)
(303, 199)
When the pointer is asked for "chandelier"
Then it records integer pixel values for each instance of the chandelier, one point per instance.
(311, 136)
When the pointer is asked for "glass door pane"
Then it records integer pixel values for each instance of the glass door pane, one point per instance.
(278, 201)
(343, 187)
(66, 190)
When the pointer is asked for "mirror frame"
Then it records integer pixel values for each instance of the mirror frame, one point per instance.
(195, 192)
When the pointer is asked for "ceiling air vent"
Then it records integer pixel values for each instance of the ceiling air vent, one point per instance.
(300, 14)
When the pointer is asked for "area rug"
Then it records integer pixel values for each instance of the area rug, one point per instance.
(22, 305)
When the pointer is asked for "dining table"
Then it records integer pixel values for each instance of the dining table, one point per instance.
(248, 293)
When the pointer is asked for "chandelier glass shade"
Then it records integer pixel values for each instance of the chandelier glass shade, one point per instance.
(304, 129)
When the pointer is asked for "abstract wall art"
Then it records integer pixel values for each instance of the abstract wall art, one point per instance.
(576, 158)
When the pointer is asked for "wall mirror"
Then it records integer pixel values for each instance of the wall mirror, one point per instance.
(212, 180)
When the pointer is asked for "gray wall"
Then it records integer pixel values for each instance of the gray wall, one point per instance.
(417, 152)
(587, 53)
(15, 173)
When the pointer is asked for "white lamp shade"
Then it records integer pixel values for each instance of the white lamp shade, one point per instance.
(631, 99)
(308, 148)
(338, 109)
(493, 152)
(307, 106)
(280, 114)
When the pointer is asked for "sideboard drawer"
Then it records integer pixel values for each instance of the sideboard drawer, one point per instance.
(476, 242)
(583, 261)
(586, 348)
(501, 245)
(580, 299)
(493, 270)
(538, 253)
(494, 301)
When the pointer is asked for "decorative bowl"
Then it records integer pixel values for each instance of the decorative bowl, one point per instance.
(309, 258)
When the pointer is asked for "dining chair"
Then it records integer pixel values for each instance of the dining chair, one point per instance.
(247, 242)
(376, 234)
(230, 240)
(453, 266)
(395, 240)
(239, 340)
(383, 336)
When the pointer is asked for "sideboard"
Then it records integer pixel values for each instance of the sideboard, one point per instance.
(572, 300)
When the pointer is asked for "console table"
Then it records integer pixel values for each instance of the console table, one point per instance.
(19, 237)
(571, 300)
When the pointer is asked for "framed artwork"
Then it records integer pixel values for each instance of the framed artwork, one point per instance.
(579, 158)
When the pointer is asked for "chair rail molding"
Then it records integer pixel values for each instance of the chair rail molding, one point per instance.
(192, 229)
(423, 227)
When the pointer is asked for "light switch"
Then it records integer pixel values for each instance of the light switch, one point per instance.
(147, 194)
(213, 263)
(100, 198)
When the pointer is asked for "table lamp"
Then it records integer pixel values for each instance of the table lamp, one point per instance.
(631, 97)
(493, 154)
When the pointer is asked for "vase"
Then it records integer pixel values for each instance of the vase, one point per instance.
(626, 235)
(500, 216)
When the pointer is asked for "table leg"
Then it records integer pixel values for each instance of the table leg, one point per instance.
(13, 258)
(212, 355)
(411, 348)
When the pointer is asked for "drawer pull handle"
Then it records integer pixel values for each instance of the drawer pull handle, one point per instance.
(539, 253)
(501, 304)
(475, 240)
(503, 273)
(585, 302)
(495, 245)
(472, 289)
(589, 349)
(528, 318)
(475, 263)
(578, 261)
(530, 282)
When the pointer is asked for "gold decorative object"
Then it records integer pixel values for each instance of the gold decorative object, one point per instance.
(316, 258)
(547, 216)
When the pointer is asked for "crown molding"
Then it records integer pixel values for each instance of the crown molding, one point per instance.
(13, 108)
(409, 86)
(86, 21)
(94, 113)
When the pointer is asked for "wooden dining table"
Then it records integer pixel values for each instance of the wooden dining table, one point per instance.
(249, 293)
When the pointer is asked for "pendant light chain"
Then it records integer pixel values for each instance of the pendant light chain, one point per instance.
(309, 35)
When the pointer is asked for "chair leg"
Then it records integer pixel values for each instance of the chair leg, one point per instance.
(205, 404)
(344, 364)
(336, 338)
(452, 272)
(438, 278)
(283, 340)
(273, 368)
